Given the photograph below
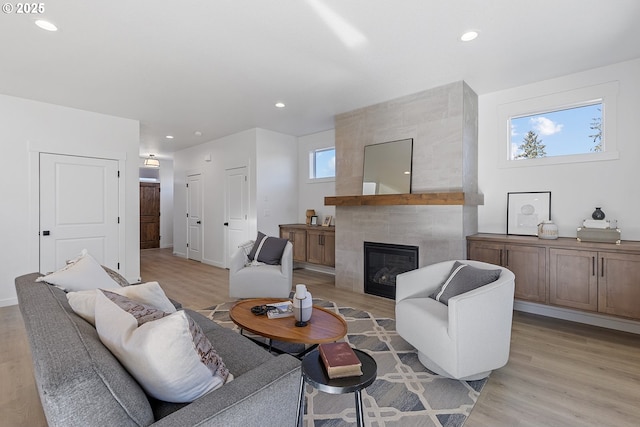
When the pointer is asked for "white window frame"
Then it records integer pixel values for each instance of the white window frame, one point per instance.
(605, 93)
(312, 166)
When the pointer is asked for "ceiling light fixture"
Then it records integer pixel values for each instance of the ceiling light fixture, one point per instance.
(468, 36)
(169, 136)
(280, 105)
(46, 25)
(197, 133)
(152, 162)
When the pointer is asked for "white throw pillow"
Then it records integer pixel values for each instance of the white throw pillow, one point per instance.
(168, 354)
(150, 293)
(81, 274)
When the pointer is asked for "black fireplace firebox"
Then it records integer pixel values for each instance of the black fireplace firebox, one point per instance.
(382, 263)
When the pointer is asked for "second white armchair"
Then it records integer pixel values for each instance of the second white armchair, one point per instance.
(263, 280)
(469, 337)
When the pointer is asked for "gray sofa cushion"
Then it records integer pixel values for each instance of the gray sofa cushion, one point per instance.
(71, 364)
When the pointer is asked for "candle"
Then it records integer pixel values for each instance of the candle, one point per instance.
(301, 291)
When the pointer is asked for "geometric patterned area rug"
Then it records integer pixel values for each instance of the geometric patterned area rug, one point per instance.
(405, 393)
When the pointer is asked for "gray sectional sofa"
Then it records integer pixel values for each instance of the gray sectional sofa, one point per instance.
(82, 384)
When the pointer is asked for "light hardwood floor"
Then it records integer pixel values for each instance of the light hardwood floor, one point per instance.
(559, 373)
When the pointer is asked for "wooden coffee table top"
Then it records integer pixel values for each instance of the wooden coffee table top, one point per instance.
(324, 326)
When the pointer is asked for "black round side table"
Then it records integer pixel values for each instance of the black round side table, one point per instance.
(314, 374)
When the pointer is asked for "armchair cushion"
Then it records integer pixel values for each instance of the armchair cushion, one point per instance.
(267, 249)
(463, 278)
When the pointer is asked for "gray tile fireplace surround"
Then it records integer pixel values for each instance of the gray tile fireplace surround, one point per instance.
(443, 124)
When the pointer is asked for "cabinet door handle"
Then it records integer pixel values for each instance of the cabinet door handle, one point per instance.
(602, 267)
(501, 263)
(593, 266)
(506, 264)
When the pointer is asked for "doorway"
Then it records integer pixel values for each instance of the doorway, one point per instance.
(78, 210)
(194, 217)
(237, 210)
(149, 215)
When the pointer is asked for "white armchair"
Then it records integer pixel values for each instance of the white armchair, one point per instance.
(465, 340)
(261, 281)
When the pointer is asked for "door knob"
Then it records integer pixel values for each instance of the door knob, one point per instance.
(226, 224)
(46, 232)
(198, 222)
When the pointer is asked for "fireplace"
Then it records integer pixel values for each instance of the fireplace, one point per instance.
(382, 263)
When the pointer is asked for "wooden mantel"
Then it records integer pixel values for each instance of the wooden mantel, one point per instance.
(448, 198)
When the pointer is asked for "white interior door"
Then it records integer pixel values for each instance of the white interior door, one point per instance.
(78, 210)
(237, 209)
(194, 217)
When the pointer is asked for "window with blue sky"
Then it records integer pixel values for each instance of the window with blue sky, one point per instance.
(322, 163)
(569, 131)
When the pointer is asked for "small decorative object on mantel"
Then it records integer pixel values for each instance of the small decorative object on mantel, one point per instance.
(547, 230)
(327, 221)
(310, 214)
(314, 220)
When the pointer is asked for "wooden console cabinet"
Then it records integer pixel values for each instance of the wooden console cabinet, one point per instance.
(596, 277)
(311, 243)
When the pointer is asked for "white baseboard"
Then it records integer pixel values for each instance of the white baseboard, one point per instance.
(213, 263)
(594, 319)
(180, 254)
(9, 301)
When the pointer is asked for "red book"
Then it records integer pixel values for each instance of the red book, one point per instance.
(340, 360)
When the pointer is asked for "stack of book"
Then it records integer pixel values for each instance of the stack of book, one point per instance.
(277, 310)
(340, 360)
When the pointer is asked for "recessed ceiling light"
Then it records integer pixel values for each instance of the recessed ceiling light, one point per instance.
(197, 133)
(169, 136)
(46, 25)
(468, 36)
(280, 104)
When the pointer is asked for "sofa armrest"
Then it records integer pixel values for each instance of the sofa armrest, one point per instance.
(266, 395)
(286, 261)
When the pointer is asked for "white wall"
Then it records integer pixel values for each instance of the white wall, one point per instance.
(233, 151)
(311, 194)
(576, 188)
(276, 181)
(28, 127)
(270, 158)
(166, 203)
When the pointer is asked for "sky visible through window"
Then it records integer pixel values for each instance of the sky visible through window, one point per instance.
(562, 132)
(325, 163)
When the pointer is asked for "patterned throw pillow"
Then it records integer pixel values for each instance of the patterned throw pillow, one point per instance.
(83, 303)
(168, 354)
(463, 278)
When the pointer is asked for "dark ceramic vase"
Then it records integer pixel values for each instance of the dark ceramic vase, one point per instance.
(597, 214)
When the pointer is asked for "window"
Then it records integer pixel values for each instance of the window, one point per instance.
(322, 163)
(566, 127)
(576, 130)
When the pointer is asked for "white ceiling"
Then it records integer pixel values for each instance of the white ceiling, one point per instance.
(219, 66)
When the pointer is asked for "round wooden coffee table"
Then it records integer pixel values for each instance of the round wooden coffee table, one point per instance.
(324, 326)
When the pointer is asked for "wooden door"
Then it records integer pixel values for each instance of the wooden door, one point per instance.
(298, 238)
(315, 251)
(573, 278)
(149, 215)
(491, 253)
(329, 243)
(529, 265)
(619, 284)
(79, 205)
